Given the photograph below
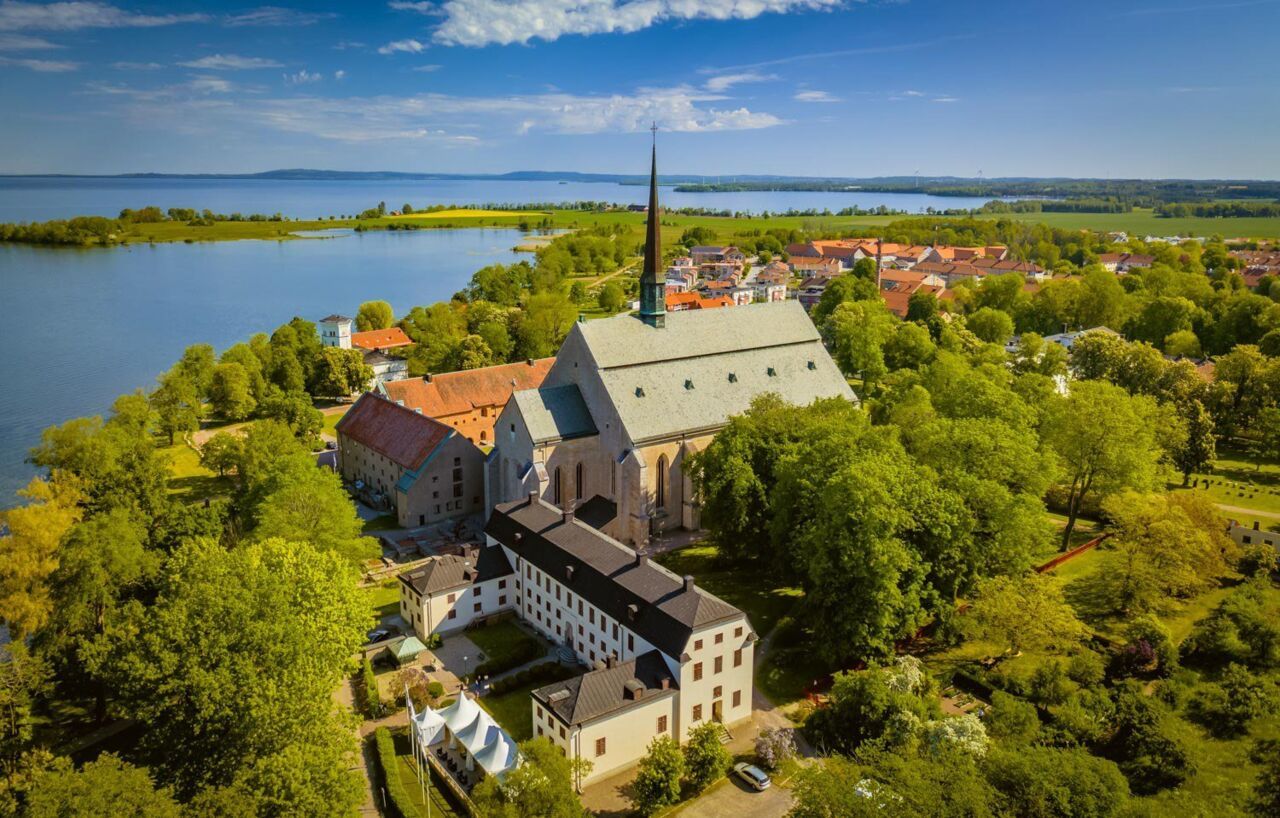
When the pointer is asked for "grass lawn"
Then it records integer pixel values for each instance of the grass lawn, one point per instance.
(1237, 479)
(408, 772)
(384, 599)
(383, 522)
(188, 479)
(513, 710)
(749, 590)
(467, 213)
(329, 427)
(500, 641)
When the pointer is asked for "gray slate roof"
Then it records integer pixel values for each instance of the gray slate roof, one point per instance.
(707, 365)
(442, 573)
(603, 691)
(555, 413)
(608, 575)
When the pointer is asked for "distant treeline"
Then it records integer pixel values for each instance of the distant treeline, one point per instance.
(1136, 192)
(1056, 206)
(1219, 210)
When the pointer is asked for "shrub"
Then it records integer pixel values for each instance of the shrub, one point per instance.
(399, 803)
(1082, 719)
(524, 651)
(1242, 629)
(705, 758)
(1049, 683)
(1044, 782)
(1149, 650)
(1011, 719)
(545, 672)
(435, 690)
(1086, 668)
(1140, 743)
(370, 700)
(775, 745)
(1228, 707)
(657, 783)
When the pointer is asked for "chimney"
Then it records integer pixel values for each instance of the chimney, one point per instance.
(568, 512)
(641, 560)
(533, 497)
(688, 583)
(528, 361)
(611, 660)
(665, 683)
(427, 377)
(1255, 525)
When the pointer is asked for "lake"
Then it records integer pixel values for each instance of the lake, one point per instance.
(43, 198)
(84, 326)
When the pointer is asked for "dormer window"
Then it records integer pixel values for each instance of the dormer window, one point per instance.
(639, 391)
(771, 372)
(812, 365)
(733, 378)
(688, 384)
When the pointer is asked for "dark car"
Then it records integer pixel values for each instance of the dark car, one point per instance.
(378, 634)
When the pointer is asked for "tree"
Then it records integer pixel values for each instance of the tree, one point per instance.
(29, 540)
(990, 325)
(1197, 449)
(1046, 782)
(1182, 344)
(910, 347)
(869, 705)
(1229, 706)
(103, 788)
(1106, 440)
(1024, 612)
(1012, 720)
(295, 410)
(312, 507)
(196, 367)
(1265, 800)
(541, 787)
(176, 403)
(1035, 355)
(231, 392)
(611, 298)
(657, 783)
(374, 315)
(1140, 743)
(231, 672)
(471, 353)
(341, 372)
(705, 757)
(775, 745)
(221, 453)
(881, 783)
(1167, 546)
(843, 290)
(857, 331)
(24, 677)
(547, 319)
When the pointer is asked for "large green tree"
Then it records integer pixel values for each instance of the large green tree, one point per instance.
(311, 506)
(30, 536)
(104, 788)
(374, 315)
(657, 783)
(541, 787)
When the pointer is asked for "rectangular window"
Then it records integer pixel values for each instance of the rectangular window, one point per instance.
(502, 583)
(697, 645)
(662, 724)
(697, 712)
(591, 616)
(737, 658)
(579, 629)
(599, 747)
(737, 632)
(475, 590)
(615, 630)
(719, 664)
(719, 638)
(717, 692)
(579, 607)
(451, 598)
(457, 492)
(453, 613)
(737, 698)
(502, 600)
(631, 642)
(561, 732)
(697, 671)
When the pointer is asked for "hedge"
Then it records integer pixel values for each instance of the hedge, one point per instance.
(367, 686)
(526, 652)
(546, 672)
(399, 804)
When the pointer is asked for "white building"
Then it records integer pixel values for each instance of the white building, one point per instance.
(335, 331)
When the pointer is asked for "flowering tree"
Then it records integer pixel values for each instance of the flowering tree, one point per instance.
(775, 745)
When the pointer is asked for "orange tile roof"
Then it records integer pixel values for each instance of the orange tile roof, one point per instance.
(453, 393)
(401, 435)
(380, 339)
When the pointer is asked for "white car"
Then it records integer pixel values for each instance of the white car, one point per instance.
(753, 775)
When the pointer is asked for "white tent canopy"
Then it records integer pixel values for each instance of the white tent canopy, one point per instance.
(501, 755)
(428, 726)
(466, 725)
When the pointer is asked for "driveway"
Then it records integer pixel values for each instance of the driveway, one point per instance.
(736, 799)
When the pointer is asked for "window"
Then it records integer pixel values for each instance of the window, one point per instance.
(478, 607)
(555, 487)
(451, 598)
(697, 712)
(502, 583)
(557, 593)
(475, 590)
(538, 710)
(579, 607)
(577, 482)
(660, 499)
(453, 613)
(697, 671)
(719, 666)
(591, 615)
(697, 645)
(457, 490)
(502, 600)
(631, 642)
(528, 572)
(615, 630)
(737, 698)
(717, 692)
(662, 724)
(591, 638)
(561, 732)
(737, 632)
(737, 658)
(719, 638)
(579, 629)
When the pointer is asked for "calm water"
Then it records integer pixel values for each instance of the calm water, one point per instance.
(42, 198)
(83, 326)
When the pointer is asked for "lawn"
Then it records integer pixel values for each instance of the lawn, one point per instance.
(467, 213)
(384, 599)
(408, 772)
(513, 710)
(750, 590)
(384, 522)
(1238, 479)
(188, 479)
(502, 642)
(330, 425)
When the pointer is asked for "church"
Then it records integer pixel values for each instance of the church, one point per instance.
(629, 399)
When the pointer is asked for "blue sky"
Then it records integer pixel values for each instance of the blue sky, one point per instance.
(1151, 88)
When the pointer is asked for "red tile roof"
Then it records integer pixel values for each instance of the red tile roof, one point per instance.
(380, 339)
(453, 393)
(401, 435)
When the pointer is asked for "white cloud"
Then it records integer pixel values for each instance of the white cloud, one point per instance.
(420, 7)
(210, 85)
(815, 96)
(136, 66)
(305, 77)
(439, 118)
(21, 42)
(276, 16)
(946, 99)
(482, 22)
(16, 15)
(726, 81)
(427, 69)
(409, 46)
(43, 66)
(913, 93)
(339, 74)
(230, 62)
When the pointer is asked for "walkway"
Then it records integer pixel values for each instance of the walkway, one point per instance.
(1253, 512)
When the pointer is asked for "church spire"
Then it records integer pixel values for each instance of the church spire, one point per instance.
(653, 288)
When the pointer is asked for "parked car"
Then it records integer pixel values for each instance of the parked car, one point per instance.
(378, 634)
(755, 777)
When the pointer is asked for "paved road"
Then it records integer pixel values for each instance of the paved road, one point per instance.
(733, 798)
